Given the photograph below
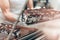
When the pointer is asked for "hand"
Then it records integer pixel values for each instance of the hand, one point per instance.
(30, 8)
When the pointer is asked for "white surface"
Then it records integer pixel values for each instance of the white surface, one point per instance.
(48, 24)
(55, 4)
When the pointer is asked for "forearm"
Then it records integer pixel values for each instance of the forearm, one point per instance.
(5, 7)
(30, 4)
(9, 16)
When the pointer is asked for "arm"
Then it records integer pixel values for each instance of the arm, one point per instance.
(30, 4)
(5, 7)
